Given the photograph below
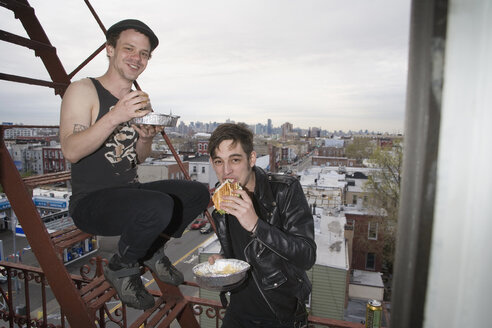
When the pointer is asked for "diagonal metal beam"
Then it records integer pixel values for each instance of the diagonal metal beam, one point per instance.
(25, 13)
(27, 80)
(40, 241)
(28, 43)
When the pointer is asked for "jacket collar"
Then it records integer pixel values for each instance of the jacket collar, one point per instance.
(263, 192)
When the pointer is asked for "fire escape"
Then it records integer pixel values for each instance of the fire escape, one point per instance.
(83, 301)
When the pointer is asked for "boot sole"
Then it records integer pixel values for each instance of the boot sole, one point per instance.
(167, 281)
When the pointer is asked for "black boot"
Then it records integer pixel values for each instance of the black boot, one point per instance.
(160, 265)
(125, 279)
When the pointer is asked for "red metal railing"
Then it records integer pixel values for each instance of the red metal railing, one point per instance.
(32, 281)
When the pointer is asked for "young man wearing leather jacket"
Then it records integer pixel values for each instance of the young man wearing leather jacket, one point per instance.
(270, 226)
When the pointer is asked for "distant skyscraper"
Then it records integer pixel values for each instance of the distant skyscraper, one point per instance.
(286, 129)
(269, 127)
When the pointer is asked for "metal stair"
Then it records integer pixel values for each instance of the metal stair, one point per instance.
(85, 307)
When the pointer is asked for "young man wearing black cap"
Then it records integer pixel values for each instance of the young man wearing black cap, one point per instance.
(104, 149)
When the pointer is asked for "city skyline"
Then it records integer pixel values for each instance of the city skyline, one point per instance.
(259, 128)
(325, 64)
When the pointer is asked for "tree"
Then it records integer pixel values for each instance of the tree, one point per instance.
(383, 191)
(359, 149)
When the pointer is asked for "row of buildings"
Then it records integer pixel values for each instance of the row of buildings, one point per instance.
(348, 235)
(347, 272)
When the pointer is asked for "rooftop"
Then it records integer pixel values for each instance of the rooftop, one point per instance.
(330, 241)
(367, 278)
(322, 177)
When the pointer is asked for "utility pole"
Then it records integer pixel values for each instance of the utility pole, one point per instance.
(14, 234)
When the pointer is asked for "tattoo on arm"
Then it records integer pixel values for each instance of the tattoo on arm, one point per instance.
(79, 128)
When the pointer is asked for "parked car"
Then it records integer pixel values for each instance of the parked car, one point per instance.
(198, 223)
(207, 228)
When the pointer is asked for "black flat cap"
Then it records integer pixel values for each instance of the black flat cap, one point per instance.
(137, 25)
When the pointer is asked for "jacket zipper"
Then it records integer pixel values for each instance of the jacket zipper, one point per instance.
(266, 246)
(256, 281)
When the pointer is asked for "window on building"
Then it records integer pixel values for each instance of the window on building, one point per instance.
(203, 169)
(370, 261)
(372, 231)
(354, 199)
(194, 169)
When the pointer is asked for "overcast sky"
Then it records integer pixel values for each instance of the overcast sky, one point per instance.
(332, 64)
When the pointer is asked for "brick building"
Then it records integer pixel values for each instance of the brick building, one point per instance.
(367, 248)
(202, 147)
(53, 160)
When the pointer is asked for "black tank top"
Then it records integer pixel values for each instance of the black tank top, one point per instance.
(113, 164)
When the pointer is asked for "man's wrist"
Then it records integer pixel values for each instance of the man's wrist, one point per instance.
(255, 226)
(145, 140)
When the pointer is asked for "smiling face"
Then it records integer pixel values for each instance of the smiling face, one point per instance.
(231, 162)
(130, 56)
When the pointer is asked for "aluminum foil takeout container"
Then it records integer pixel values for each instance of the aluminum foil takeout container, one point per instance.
(223, 275)
(156, 119)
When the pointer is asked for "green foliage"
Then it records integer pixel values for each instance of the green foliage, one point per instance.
(384, 184)
(383, 190)
(359, 149)
(27, 174)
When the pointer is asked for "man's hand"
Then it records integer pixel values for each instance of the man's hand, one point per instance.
(213, 258)
(147, 132)
(132, 105)
(242, 208)
(144, 143)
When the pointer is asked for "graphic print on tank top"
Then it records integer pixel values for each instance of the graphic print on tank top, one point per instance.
(120, 147)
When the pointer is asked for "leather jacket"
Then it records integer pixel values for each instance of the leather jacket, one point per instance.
(282, 247)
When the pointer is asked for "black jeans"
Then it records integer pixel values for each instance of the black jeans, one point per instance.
(140, 212)
(236, 320)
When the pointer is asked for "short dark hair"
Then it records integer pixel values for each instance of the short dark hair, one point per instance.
(231, 131)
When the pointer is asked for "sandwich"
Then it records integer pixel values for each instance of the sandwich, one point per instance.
(225, 189)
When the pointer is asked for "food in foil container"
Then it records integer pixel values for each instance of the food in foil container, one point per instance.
(223, 275)
(156, 119)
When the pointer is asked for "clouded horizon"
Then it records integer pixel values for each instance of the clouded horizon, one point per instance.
(336, 65)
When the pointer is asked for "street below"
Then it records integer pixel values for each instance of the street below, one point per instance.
(182, 252)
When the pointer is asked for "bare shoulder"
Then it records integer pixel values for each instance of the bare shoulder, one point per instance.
(79, 104)
(80, 95)
(83, 87)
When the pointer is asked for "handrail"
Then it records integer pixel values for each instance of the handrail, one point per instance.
(32, 276)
